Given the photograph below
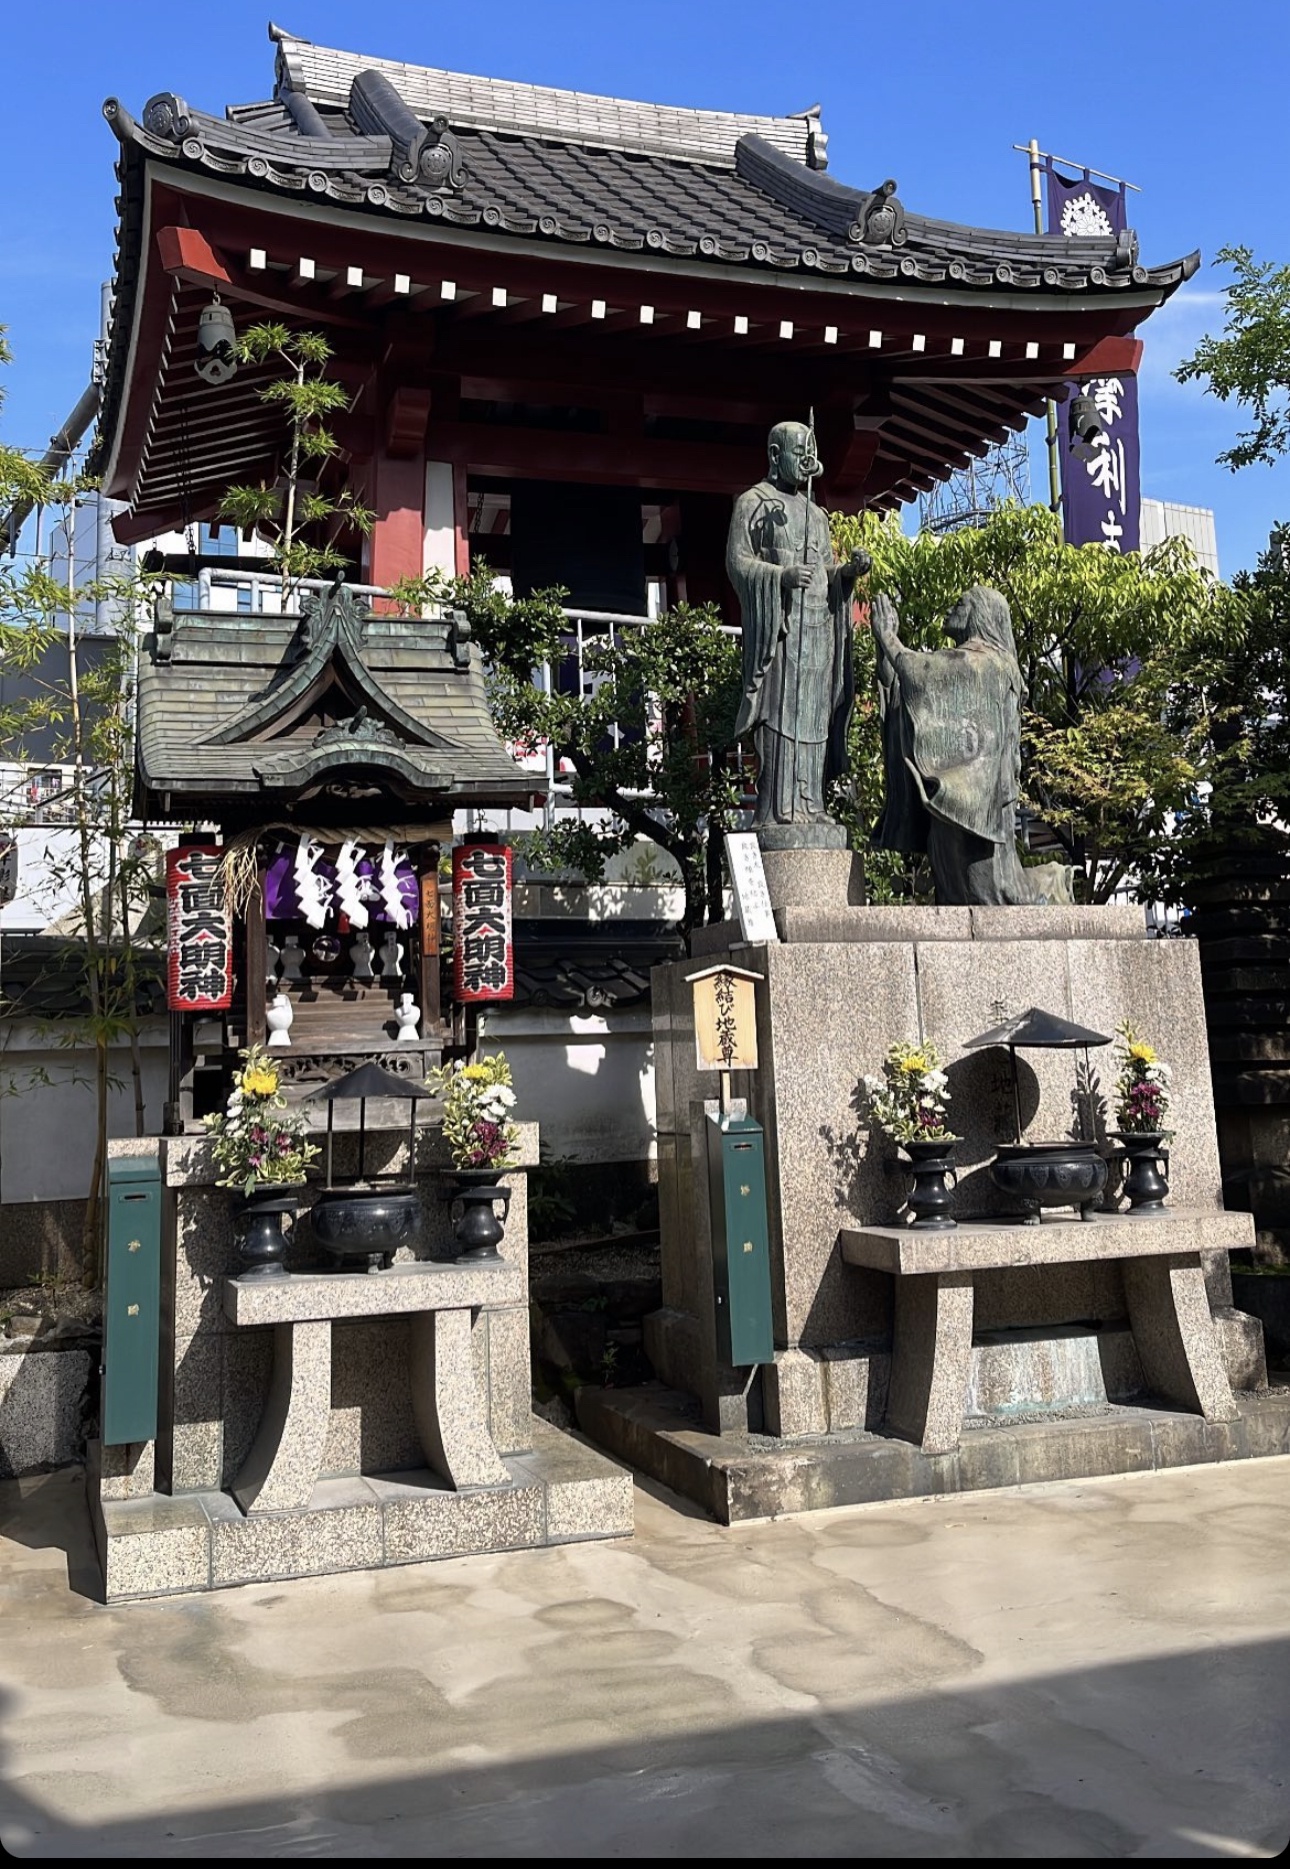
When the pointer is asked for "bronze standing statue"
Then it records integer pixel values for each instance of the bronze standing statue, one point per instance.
(951, 728)
(798, 686)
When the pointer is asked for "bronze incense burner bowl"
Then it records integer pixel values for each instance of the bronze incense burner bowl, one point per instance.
(1051, 1174)
(365, 1226)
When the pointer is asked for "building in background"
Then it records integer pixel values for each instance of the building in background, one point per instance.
(1165, 519)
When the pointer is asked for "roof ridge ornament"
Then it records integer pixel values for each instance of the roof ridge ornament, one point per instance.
(817, 141)
(429, 154)
(359, 729)
(167, 116)
(881, 219)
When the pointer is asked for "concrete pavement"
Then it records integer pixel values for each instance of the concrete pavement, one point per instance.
(1098, 1668)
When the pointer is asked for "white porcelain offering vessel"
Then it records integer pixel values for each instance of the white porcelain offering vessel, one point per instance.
(408, 1014)
(278, 1015)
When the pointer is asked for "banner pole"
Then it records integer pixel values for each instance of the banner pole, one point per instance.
(1037, 203)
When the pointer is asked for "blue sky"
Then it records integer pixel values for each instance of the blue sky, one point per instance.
(1187, 100)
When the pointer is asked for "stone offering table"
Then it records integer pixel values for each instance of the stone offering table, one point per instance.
(285, 1461)
(331, 1421)
(935, 1273)
(1086, 1355)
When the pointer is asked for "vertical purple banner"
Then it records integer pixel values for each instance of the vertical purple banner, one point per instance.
(1101, 484)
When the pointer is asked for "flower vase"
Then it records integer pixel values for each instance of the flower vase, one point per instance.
(261, 1246)
(930, 1201)
(1145, 1182)
(478, 1231)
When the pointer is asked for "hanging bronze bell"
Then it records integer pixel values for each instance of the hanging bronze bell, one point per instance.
(216, 358)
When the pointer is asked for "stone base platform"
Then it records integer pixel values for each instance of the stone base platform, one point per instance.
(158, 1544)
(748, 1476)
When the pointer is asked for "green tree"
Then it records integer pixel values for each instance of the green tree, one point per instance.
(1102, 640)
(302, 523)
(1242, 689)
(79, 708)
(651, 740)
(1250, 362)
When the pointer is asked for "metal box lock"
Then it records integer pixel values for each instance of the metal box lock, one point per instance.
(740, 1240)
(132, 1301)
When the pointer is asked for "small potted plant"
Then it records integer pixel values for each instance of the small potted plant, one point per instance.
(1141, 1106)
(908, 1104)
(478, 1126)
(263, 1152)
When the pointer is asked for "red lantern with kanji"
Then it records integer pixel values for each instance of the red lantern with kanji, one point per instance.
(483, 948)
(199, 973)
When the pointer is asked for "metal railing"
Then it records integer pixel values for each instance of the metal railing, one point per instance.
(598, 627)
(262, 590)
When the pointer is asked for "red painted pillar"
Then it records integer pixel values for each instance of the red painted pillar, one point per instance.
(396, 545)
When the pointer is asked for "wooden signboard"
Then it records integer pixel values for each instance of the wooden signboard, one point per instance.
(725, 1018)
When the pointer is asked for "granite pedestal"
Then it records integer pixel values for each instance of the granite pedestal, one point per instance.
(843, 984)
(331, 1420)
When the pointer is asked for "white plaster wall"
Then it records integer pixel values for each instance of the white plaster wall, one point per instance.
(47, 1127)
(440, 553)
(586, 1080)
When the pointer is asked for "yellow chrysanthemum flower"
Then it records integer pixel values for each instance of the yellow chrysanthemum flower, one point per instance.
(259, 1082)
(1142, 1053)
(915, 1064)
(477, 1073)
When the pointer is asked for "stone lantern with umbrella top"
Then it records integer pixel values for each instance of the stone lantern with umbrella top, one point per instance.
(366, 1218)
(1069, 1173)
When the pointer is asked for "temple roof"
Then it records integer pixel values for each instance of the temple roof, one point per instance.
(534, 248)
(235, 707)
(409, 142)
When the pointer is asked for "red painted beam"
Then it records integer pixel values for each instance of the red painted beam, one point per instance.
(187, 253)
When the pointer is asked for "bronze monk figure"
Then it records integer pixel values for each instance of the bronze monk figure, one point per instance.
(798, 686)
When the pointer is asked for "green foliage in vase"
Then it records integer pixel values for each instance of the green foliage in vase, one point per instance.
(478, 1105)
(907, 1102)
(1142, 1093)
(257, 1141)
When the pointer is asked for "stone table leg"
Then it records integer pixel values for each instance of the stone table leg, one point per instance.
(283, 1465)
(931, 1358)
(1173, 1329)
(446, 1403)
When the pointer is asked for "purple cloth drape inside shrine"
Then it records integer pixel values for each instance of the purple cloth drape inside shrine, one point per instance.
(282, 904)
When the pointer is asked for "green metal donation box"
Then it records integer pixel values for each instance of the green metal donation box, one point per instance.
(740, 1240)
(132, 1301)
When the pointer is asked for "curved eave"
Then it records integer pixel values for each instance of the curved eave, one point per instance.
(353, 176)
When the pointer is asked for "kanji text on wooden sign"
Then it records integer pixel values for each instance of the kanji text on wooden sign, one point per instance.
(199, 974)
(725, 1018)
(483, 949)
